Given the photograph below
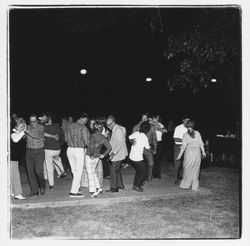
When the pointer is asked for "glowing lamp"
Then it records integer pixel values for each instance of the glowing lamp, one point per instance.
(148, 79)
(83, 71)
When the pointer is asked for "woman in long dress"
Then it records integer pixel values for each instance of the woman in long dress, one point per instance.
(193, 147)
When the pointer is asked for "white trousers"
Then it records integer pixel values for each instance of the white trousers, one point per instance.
(53, 161)
(59, 170)
(15, 181)
(76, 158)
(91, 167)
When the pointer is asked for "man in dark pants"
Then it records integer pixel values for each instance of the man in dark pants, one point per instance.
(179, 131)
(118, 153)
(35, 156)
(160, 129)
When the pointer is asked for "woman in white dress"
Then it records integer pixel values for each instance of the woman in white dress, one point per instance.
(193, 147)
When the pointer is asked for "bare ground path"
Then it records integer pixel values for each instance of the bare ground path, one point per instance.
(163, 211)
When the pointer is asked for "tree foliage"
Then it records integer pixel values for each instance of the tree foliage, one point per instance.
(209, 49)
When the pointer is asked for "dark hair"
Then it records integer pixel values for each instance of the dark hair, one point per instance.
(190, 126)
(33, 115)
(19, 121)
(147, 114)
(101, 119)
(145, 127)
(82, 115)
(157, 116)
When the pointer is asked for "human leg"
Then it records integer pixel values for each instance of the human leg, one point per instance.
(30, 166)
(15, 178)
(177, 163)
(77, 157)
(39, 161)
(157, 161)
(49, 166)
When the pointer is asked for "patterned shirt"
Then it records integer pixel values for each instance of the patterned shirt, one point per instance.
(78, 136)
(35, 137)
(97, 140)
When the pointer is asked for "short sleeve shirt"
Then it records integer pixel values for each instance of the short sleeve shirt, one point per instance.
(136, 153)
(179, 132)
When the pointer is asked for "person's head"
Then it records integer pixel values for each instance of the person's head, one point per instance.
(190, 126)
(92, 123)
(110, 122)
(185, 120)
(145, 127)
(13, 116)
(70, 119)
(144, 117)
(83, 118)
(20, 124)
(99, 126)
(157, 117)
(33, 120)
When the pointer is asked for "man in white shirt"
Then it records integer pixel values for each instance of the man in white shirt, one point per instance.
(179, 131)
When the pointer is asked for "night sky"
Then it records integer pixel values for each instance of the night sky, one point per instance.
(117, 46)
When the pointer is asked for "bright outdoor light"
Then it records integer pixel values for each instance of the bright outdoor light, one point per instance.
(213, 80)
(83, 71)
(148, 79)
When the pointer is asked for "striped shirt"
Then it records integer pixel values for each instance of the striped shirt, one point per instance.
(78, 136)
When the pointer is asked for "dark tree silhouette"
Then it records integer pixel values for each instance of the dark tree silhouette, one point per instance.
(208, 49)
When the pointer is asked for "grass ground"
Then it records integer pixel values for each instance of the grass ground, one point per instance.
(214, 216)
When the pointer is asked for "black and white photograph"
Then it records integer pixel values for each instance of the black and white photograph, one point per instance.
(124, 122)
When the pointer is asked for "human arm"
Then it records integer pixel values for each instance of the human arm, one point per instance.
(56, 136)
(132, 138)
(107, 146)
(201, 144)
(17, 136)
(91, 147)
(183, 147)
(177, 137)
(86, 136)
(160, 127)
(117, 142)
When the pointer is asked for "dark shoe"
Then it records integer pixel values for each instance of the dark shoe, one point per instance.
(51, 187)
(121, 187)
(42, 191)
(78, 195)
(32, 194)
(137, 189)
(62, 175)
(113, 190)
(157, 177)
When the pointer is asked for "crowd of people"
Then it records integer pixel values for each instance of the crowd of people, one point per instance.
(96, 148)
